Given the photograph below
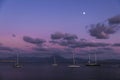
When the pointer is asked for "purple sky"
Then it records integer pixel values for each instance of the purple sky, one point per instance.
(41, 18)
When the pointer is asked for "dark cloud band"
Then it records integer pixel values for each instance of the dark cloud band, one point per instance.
(36, 41)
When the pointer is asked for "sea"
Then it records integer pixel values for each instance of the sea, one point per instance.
(37, 71)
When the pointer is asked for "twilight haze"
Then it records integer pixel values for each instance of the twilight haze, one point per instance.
(52, 26)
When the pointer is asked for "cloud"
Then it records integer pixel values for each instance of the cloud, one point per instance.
(116, 45)
(114, 20)
(80, 44)
(54, 42)
(83, 40)
(36, 41)
(67, 52)
(104, 51)
(98, 51)
(102, 31)
(40, 49)
(68, 36)
(57, 35)
(106, 48)
(70, 40)
(67, 43)
(49, 51)
(64, 42)
(5, 48)
(63, 39)
(65, 36)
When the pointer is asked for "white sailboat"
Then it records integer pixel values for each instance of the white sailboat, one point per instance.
(17, 64)
(74, 62)
(54, 61)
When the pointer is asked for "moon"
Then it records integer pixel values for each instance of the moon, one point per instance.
(83, 13)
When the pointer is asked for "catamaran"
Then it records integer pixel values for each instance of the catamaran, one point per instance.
(93, 63)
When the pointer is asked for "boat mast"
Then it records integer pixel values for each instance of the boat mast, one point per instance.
(54, 59)
(89, 58)
(95, 58)
(73, 58)
(17, 60)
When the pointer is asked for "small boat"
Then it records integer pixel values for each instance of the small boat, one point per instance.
(93, 64)
(55, 64)
(54, 61)
(17, 65)
(74, 65)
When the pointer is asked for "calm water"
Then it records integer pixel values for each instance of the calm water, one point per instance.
(62, 72)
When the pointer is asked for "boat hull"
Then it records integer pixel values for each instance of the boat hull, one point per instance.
(18, 66)
(54, 64)
(93, 65)
(74, 66)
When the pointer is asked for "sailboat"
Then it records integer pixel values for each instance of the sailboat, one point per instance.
(17, 65)
(93, 63)
(54, 61)
(74, 62)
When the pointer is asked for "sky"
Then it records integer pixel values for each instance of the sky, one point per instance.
(41, 18)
